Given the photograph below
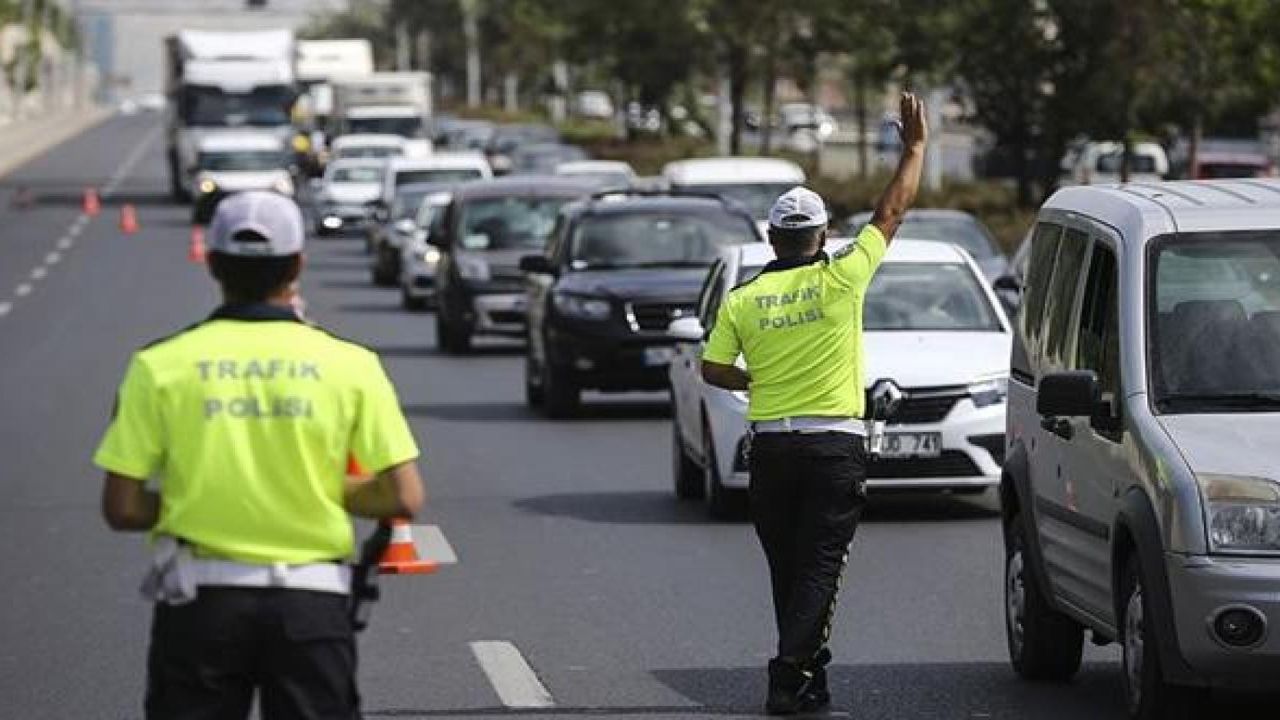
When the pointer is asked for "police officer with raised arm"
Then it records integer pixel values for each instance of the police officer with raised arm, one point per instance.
(798, 326)
(246, 422)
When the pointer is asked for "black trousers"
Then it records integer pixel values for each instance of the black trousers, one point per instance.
(807, 493)
(295, 647)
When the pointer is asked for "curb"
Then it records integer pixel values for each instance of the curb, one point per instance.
(30, 138)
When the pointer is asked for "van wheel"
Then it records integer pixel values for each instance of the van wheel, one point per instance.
(1147, 695)
(1043, 643)
(687, 474)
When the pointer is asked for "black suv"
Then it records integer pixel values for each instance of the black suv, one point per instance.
(618, 269)
(485, 230)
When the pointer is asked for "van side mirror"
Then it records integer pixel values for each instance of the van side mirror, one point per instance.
(1007, 283)
(536, 265)
(1074, 393)
(686, 329)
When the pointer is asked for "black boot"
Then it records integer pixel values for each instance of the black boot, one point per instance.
(788, 682)
(816, 697)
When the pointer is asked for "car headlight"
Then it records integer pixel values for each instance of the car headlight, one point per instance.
(1243, 513)
(207, 186)
(473, 269)
(989, 391)
(431, 256)
(582, 307)
(284, 186)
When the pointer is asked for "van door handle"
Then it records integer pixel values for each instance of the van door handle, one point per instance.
(1058, 426)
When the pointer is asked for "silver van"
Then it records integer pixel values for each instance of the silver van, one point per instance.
(1141, 488)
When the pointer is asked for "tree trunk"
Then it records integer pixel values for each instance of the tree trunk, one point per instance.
(1193, 152)
(737, 95)
(770, 92)
(860, 111)
(1024, 171)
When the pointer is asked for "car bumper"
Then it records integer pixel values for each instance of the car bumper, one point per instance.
(417, 278)
(971, 453)
(499, 314)
(1201, 587)
(613, 363)
(329, 220)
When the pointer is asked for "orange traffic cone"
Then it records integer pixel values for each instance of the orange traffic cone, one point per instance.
(195, 251)
(128, 219)
(401, 557)
(91, 205)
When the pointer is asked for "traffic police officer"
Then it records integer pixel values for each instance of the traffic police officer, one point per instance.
(798, 325)
(247, 420)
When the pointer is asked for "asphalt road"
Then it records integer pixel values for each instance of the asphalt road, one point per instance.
(571, 550)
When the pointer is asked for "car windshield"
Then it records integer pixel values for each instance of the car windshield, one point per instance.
(242, 161)
(437, 175)
(757, 198)
(407, 203)
(357, 175)
(1215, 314)
(925, 297)
(509, 222)
(211, 107)
(665, 240)
(403, 126)
(372, 151)
(961, 231)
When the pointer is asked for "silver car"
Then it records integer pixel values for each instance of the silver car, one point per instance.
(1141, 487)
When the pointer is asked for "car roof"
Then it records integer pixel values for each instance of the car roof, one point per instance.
(1140, 211)
(240, 141)
(368, 140)
(442, 160)
(904, 250)
(358, 162)
(594, 166)
(732, 170)
(526, 185)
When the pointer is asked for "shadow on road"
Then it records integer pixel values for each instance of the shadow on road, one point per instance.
(618, 508)
(518, 412)
(922, 506)
(370, 308)
(345, 284)
(334, 265)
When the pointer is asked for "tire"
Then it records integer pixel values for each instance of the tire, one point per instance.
(383, 272)
(176, 191)
(722, 503)
(688, 477)
(561, 396)
(1043, 643)
(411, 303)
(533, 395)
(1147, 695)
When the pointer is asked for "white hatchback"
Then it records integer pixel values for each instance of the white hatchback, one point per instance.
(932, 325)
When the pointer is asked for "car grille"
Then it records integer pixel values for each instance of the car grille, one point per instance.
(657, 316)
(506, 317)
(924, 405)
(951, 463)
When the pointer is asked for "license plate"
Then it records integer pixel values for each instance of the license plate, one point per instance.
(655, 356)
(909, 445)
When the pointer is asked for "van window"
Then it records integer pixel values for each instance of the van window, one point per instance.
(1062, 295)
(1098, 341)
(1044, 249)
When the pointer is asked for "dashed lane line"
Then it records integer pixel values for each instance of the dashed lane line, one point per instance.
(39, 273)
(22, 290)
(127, 166)
(515, 682)
(5, 308)
(53, 258)
(65, 243)
(432, 545)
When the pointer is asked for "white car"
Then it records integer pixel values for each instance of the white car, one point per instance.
(367, 146)
(445, 167)
(234, 162)
(753, 182)
(344, 193)
(419, 259)
(932, 325)
(610, 173)
(1098, 163)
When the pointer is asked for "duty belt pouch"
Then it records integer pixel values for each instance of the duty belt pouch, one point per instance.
(171, 577)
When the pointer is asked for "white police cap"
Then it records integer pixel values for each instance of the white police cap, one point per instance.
(798, 208)
(271, 216)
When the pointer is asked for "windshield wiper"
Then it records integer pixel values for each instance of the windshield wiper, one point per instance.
(1241, 400)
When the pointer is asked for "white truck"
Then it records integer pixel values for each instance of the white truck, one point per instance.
(324, 62)
(397, 103)
(220, 80)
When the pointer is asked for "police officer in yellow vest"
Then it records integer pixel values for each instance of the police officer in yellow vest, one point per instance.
(246, 422)
(798, 326)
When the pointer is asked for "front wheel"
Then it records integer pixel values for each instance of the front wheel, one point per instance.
(533, 395)
(722, 503)
(1043, 643)
(562, 398)
(411, 303)
(1147, 695)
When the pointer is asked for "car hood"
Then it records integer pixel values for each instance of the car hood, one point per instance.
(668, 284)
(352, 193)
(237, 181)
(1227, 443)
(934, 359)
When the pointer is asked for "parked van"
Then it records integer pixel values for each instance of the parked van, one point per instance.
(753, 182)
(1141, 487)
(1098, 163)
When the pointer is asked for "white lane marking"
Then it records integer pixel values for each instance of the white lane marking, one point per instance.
(127, 166)
(53, 258)
(512, 678)
(65, 243)
(5, 308)
(75, 230)
(39, 273)
(432, 544)
(22, 290)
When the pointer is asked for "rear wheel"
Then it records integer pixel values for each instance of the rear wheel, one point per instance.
(722, 503)
(1147, 695)
(688, 476)
(409, 302)
(1043, 643)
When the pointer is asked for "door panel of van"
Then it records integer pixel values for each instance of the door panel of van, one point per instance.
(1068, 554)
(1093, 460)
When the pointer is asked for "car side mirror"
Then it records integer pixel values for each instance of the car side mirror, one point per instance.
(437, 239)
(686, 329)
(1074, 393)
(406, 226)
(1007, 283)
(536, 265)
